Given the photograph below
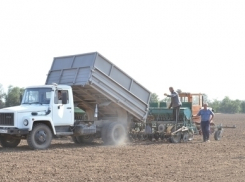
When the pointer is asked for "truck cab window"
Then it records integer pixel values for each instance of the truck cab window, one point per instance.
(58, 96)
(36, 96)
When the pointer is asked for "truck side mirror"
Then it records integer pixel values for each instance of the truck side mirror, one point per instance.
(64, 98)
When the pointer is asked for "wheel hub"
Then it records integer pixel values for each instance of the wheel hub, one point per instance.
(40, 137)
(117, 133)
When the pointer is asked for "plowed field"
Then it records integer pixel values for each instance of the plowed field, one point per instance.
(222, 160)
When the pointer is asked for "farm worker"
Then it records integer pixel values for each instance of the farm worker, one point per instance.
(175, 103)
(206, 117)
(59, 95)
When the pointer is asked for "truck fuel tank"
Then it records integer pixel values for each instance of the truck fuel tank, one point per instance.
(84, 129)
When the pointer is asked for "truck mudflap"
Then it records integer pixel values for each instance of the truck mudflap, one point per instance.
(13, 131)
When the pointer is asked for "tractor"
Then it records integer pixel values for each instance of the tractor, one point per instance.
(160, 123)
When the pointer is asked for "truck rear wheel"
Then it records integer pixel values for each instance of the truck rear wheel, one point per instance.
(40, 137)
(116, 133)
(8, 141)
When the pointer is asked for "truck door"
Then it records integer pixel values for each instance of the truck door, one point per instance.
(62, 113)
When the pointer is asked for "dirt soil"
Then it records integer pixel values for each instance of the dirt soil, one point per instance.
(222, 160)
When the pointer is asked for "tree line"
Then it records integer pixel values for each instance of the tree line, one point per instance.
(225, 105)
(11, 97)
(228, 105)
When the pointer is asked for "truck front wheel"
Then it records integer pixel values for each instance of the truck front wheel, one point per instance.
(8, 141)
(40, 137)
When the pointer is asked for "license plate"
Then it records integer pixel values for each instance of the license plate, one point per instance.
(3, 131)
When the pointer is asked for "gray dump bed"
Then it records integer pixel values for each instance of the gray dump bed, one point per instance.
(95, 80)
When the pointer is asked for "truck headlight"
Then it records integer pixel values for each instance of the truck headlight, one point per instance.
(25, 122)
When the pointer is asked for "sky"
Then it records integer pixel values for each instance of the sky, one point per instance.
(196, 46)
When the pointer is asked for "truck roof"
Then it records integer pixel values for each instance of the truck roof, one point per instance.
(50, 86)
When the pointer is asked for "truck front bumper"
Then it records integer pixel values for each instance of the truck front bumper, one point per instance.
(13, 131)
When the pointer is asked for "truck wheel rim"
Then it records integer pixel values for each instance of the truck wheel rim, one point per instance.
(117, 133)
(40, 137)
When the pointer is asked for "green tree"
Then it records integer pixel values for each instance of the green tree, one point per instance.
(215, 105)
(235, 106)
(243, 106)
(12, 98)
(225, 105)
(179, 91)
(230, 106)
(154, 98)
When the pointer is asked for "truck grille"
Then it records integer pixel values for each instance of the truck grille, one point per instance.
(7, 119)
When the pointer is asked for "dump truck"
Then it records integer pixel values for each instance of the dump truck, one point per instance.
(111, 98)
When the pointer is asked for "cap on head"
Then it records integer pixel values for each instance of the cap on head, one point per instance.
(171, 88)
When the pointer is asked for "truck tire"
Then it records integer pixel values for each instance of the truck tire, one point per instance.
(85, 139)
(116, 133)
(40, 137)
(8, 141)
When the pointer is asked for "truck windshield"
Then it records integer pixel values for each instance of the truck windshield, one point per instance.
(37, 96)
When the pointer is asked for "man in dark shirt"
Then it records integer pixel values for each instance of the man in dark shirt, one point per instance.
(59, 95)
(175, 103)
